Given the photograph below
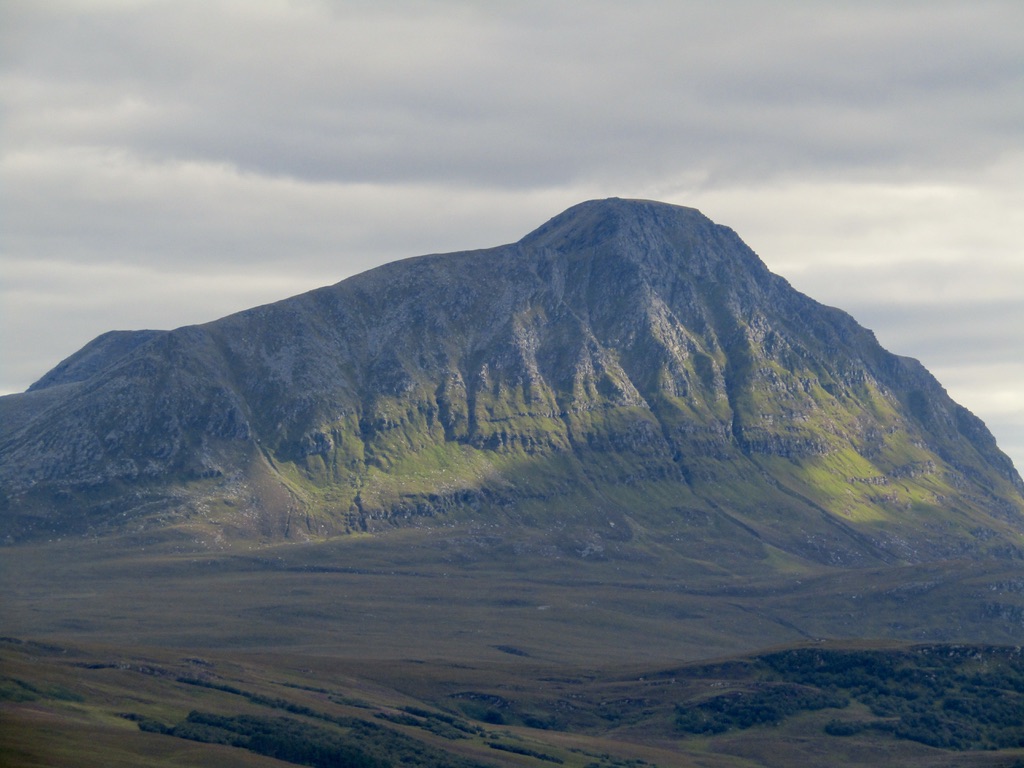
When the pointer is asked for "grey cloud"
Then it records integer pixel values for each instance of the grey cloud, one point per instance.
(947, 334)
(536, 95)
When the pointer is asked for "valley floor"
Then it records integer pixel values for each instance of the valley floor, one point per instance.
(462, 652)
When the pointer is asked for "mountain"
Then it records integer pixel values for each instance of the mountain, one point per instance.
(628, 377)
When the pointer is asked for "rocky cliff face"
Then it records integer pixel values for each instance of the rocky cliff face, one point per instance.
(628, 369)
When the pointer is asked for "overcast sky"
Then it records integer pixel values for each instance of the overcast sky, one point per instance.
(167, 163)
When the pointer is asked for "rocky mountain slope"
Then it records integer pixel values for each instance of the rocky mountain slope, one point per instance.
(630, 375)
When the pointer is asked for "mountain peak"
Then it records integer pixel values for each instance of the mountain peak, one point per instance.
(634, 363)
(661, 238)
(594, 221)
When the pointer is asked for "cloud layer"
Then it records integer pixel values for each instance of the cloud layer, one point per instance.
(165, 163)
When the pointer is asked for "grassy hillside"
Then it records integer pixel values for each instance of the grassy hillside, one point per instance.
(806, 706)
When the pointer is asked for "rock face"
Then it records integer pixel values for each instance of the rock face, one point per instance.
(628, 369)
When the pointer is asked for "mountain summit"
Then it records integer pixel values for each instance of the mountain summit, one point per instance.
(628, 372)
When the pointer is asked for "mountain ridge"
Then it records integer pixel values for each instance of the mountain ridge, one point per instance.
(628, 361)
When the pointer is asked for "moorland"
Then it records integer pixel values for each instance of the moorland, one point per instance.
(446, 648)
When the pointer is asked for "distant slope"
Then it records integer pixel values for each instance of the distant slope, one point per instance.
(628, 376)
(94, 357)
